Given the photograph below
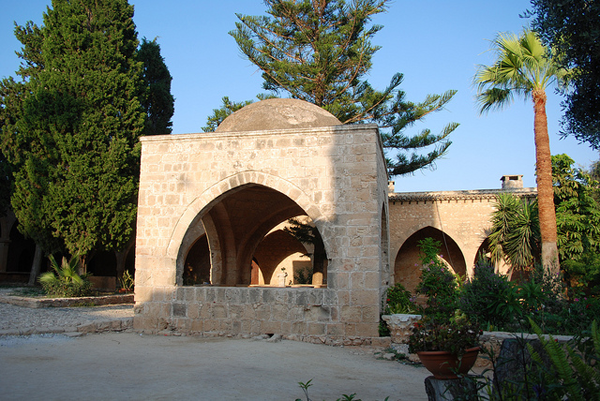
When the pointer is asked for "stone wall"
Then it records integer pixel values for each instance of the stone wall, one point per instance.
(460, 220)
(334, 175)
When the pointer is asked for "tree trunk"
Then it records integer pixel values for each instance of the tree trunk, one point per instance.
(545, 190)
(36, 266)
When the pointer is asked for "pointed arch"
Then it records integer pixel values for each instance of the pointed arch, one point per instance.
(407, 268)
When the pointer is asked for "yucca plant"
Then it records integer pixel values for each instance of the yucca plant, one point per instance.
(64, 280)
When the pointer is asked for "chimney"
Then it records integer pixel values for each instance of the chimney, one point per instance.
(391, 188)
(512, 181)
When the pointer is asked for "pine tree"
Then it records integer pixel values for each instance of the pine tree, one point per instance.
(320, 52)
(228, 107)
(74, 143)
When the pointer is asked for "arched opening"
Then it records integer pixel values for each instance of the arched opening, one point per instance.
(197, 263)
(407, 267)
(282, 260)
(239, 239)
(484, 253)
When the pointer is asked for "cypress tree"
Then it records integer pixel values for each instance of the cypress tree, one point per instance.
(156, 97)
(74, 143)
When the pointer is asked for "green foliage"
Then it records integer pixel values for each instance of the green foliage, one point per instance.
(6, 183)
(557, 371)
(345, 397)
(515, 233)
(437, 283)
(522, 66)
(490, 298)
(583, 274)
(155, 97)
(73, 143)
(454, 335)
(126, 281)
(577, 210)
(383, 329)
(575, 373)
(398, 300)
(64, 281)
(222, 113)
(321, 52)
(303, 275)
(307, 233)
(572, 29)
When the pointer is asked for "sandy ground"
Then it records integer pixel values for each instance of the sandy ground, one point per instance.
(130, 366)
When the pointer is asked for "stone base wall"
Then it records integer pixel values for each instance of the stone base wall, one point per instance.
(303, 312)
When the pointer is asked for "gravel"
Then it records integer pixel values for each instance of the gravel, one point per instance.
(18, 320)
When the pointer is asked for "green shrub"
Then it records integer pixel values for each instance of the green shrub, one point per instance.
(437, 283)
(126, 281)
(66, 282)
(303, 275)
(556, 371)
(575, 371)
(398, 300)
(490, 298)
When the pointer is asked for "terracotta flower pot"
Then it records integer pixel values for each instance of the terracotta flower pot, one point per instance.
(443, 365)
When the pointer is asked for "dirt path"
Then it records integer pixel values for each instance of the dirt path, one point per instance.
(130, 366)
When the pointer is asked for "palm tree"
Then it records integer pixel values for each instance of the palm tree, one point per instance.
(524, 67)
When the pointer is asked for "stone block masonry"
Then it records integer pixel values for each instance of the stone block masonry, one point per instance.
(218, 184)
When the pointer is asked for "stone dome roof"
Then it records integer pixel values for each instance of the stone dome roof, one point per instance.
(278, 114)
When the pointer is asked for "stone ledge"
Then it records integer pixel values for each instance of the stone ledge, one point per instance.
(119, 324)
(31, 302)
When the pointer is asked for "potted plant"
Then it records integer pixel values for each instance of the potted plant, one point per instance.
(446, 347)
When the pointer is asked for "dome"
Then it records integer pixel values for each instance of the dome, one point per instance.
(278, 114)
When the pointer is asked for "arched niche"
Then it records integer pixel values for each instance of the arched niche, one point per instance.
(232, 233)
(407, 267)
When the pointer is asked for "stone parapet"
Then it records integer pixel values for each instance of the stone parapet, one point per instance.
(305, 312)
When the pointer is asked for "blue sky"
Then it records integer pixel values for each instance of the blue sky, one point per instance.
(436, 44)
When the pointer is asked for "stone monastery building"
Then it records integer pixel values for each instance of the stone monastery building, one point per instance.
(213, 252)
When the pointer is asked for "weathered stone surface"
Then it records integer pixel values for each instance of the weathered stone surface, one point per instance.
(400, 326)
(277, 114)
(233, 187)
(458, 219)
(446, 390)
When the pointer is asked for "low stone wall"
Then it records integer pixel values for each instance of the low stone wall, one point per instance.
(400, 329)
(315, 313)
(31, 302)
